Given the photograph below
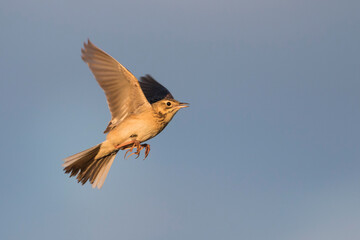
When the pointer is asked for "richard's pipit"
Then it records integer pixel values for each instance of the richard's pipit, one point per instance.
(139, 109)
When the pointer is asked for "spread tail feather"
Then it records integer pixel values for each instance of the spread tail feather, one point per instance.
(87, 168)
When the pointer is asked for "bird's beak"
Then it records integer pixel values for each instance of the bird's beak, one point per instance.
(183, 105)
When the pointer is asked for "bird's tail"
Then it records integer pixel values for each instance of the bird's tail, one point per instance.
(87, 167)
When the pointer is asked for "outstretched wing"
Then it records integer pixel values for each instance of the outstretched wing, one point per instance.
(153, 90)
(122, 89)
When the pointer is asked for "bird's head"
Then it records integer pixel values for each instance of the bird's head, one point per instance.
(167, 108)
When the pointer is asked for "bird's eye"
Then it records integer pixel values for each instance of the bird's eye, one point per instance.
(168, 103)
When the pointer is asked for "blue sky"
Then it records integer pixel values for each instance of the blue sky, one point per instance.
(269, 148)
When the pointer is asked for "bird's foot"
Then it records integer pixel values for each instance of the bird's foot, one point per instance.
(134, 144)
(139, 147)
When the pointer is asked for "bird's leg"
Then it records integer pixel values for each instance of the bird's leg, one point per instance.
(141, 147)
(147, 149)
(138, 149)
(126, 145)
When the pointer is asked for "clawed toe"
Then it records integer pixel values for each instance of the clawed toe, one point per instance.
(130, 150)
(147, 149)
(132, 154)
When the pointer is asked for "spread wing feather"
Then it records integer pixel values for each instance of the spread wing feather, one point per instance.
(122, 89)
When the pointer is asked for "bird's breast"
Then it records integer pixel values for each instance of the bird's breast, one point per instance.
(139, 128)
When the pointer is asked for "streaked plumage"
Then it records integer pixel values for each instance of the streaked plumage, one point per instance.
(139, 111)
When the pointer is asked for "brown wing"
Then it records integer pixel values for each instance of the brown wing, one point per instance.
(122, 89)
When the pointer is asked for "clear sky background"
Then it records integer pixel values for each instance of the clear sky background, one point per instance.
(269, 148)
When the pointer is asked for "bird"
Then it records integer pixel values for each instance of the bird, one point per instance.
(140, 110)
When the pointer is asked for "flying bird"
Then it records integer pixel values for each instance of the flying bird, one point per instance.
(140, 110)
